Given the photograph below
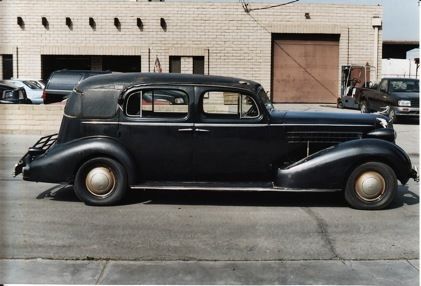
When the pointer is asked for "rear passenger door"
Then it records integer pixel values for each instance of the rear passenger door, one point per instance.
(158, 130)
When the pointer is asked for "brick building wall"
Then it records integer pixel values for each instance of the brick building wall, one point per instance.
(232, 42)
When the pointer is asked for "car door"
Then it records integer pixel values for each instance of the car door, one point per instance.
(156, 126)
(231, 136)
(381, 97)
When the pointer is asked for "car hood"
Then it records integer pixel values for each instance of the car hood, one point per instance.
(406, 95)
(327, 118)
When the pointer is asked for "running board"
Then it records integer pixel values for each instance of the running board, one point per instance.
(212, 186)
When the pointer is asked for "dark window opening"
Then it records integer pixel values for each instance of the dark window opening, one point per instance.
(199, 65)
(50, 63)
(7, 66)
(175, 64)
(121, 63)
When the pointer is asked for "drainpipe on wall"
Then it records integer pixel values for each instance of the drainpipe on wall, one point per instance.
(376, 22)
(17, 63)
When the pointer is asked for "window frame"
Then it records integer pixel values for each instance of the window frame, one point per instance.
(205, 116)
(130, 92)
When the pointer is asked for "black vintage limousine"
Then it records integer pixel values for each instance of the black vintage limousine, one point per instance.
(166, 131)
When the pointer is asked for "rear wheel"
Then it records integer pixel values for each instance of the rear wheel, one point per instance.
(371, 186)
(101, 181)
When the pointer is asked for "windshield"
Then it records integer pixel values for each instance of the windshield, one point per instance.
(404, 85)
(265, 99)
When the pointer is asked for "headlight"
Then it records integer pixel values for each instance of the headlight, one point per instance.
(404, 103)
(8, 94)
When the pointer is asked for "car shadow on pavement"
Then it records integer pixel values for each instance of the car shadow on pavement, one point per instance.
(231, 198)
(404, 197)
(236, 198)
(408, 121)
(59, 193)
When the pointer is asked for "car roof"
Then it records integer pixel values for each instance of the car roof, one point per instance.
(400, 78)
(80, 71)
(8, 84)
(122, 81)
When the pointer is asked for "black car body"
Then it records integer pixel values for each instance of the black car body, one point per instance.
(61, 83)
(217, 133)
(400, 95)
(11, 94)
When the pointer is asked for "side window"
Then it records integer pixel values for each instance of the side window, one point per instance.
(157, 103)
(229, 105)
(383, 85)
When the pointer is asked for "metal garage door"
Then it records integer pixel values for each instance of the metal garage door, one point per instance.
(305, 68)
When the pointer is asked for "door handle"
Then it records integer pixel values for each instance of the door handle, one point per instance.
(202, 130)
(185, 130)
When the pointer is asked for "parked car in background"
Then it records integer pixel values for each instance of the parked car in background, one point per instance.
(61, 83)
(400, 95)
(12, 94)
(33, 88)
(211, 133)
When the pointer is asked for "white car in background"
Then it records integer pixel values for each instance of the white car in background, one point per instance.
(33, 88)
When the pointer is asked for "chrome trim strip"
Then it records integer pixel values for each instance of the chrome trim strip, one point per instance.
(250, 189)
(139, 123)
(310, 124)
(216, 124)
(229, 125)
(69, 116)
(185, 130)
(201, 130)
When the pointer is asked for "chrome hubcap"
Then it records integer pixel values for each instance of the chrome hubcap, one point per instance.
(370, 186)
(100, 181)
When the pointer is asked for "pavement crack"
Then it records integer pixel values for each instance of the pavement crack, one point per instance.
(102, 273)
(323, 230)
(410, 263)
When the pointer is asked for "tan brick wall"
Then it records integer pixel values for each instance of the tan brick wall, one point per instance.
(239, 45)
(30, 119)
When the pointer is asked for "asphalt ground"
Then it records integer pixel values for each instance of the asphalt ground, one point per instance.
(191, 237)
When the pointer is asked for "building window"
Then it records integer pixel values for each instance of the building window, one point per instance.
(199, 65)
(7, 66)
(194, 65)
(175, 64)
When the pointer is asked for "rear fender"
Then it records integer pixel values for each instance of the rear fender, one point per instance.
(61, 162)
(330, 168)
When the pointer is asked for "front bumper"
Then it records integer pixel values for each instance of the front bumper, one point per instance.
(39, 148)
(414, 174)
(407, 111)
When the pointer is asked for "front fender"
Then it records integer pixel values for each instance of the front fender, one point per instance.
(330, 168)
(61, 162)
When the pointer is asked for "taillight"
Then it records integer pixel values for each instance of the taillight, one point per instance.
(44, 95)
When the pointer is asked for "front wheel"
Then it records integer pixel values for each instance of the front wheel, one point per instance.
(371, 186)
(101, 181)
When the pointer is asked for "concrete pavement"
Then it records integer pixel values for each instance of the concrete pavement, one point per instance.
(311, 272)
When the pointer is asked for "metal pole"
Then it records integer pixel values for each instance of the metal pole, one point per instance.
(149, 59)
(375, 54)
(17, 62)
(208, 62)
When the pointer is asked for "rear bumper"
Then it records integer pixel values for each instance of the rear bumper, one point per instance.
(36, 151)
